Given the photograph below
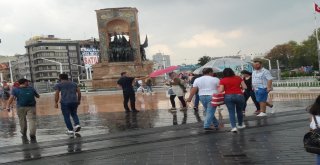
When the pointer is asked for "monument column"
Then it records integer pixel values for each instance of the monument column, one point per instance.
(120, 46)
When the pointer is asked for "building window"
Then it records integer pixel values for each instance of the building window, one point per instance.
(72, 48)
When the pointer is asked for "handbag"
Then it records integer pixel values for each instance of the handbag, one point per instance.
(311, 140)
(217, 99)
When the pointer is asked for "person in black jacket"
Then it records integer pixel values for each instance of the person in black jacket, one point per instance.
(125, 82)
(249, 91)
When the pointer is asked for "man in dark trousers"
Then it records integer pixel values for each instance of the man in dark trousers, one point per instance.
(70, 100)
(125, 83)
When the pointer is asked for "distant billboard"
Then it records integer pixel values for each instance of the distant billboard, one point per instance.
(90, 55)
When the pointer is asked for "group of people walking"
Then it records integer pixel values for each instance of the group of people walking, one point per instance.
(236, 92)
(67, 94)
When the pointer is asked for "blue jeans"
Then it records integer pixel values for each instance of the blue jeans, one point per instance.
(235, 103)
(318, 159)
(196, 101)
(70, 109)
(210, 111)
(149, 88)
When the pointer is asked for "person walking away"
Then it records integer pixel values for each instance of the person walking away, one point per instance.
(249, 92)
(141, 88)
(172, 95)
(26, 108)
(207, 85)
(262, 85)
(125, 82)
(69, 102)
(178, 89)
(232, 86)
(148, 82)
(197, 99)
(314, 110)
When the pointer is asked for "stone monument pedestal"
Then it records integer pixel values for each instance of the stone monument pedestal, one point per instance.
(106, 75)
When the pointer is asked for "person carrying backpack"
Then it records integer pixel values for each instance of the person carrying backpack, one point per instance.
(26, 107)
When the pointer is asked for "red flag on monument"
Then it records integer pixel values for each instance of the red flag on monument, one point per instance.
(316, 8)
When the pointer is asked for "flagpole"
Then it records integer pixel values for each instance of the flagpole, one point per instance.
(317, 38)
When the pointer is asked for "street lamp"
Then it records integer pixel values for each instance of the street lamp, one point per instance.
(87, 75)
(60, 64)
(10, 67)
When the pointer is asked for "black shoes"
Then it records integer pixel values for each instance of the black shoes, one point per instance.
(133, 111)
(33, 139)
(211, 129)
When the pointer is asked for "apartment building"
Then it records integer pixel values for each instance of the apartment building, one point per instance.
(48, 56)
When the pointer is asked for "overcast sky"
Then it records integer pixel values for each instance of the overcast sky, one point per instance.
(184, 29)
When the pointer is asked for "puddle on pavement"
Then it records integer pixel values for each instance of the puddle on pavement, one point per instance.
(103, 112)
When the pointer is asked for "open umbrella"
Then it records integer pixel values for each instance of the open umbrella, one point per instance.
(199, 70)
(163, 71)
(218, 65)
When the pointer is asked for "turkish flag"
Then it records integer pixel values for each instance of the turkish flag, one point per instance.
(316, 8)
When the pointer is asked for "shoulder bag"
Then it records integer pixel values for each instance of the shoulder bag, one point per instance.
(311, 140)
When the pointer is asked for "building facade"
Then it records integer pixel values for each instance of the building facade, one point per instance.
(21, 67)
(48, 56)
(162, 59)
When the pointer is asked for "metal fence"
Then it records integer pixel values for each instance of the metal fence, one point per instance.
(296, 84)
(44, 87)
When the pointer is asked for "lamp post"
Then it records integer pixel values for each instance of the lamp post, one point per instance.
(278, 67)
(164, 66)
(60, 64)
(85, 69)
(10, 67)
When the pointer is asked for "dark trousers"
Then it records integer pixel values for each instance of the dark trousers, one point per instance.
(173, 103)
(247, 95)
(70, 109)
(132, 97)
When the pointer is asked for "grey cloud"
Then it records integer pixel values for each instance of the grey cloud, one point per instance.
(169, 22)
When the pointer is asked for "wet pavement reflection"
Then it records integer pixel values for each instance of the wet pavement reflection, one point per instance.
(102, 112)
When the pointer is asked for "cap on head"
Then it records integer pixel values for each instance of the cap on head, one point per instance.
(257, 61)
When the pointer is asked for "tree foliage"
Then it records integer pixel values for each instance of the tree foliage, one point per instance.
(203, 60)
(294, 55)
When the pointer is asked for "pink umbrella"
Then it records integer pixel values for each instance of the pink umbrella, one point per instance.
(163, 71)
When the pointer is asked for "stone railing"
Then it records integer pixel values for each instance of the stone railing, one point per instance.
(296, 84)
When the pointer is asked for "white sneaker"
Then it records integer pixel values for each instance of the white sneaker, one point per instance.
(234, 130)
(183, 109)
(241, 127)
(173, 109)
(262, 114)
(77, 128)
(70, 133)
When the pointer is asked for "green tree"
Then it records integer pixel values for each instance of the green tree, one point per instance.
(294, 55)
(203, 60)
